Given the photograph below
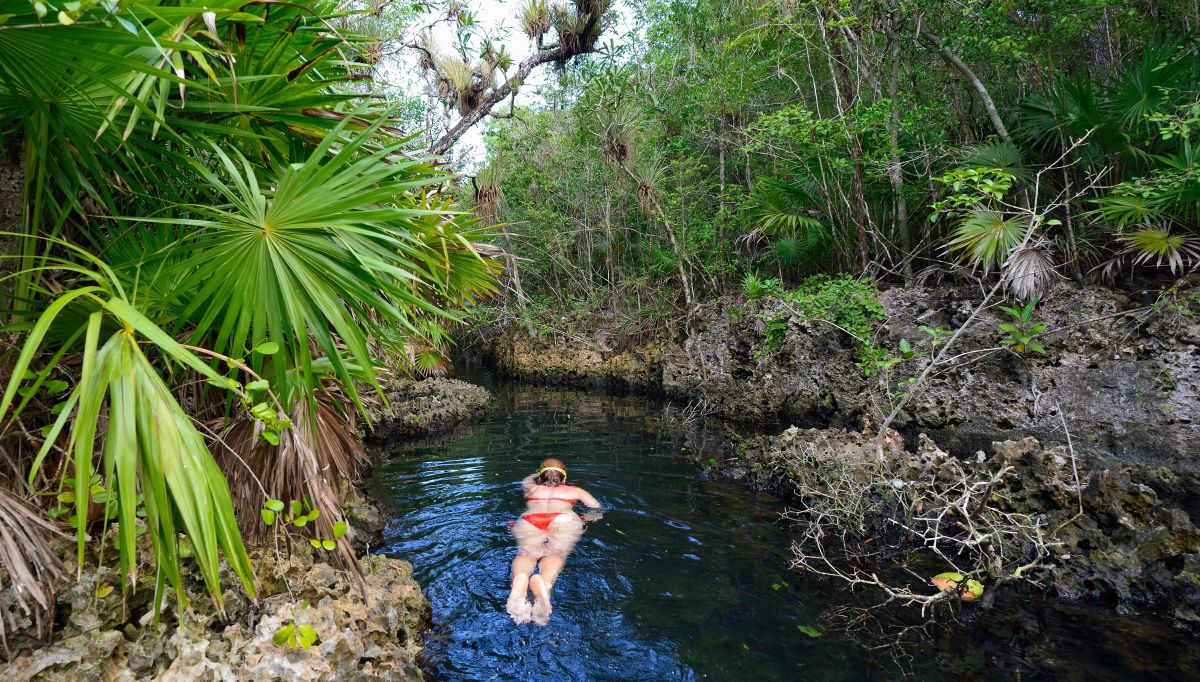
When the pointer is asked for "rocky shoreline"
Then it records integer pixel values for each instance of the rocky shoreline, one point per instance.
(1125, 374)
(373, 634)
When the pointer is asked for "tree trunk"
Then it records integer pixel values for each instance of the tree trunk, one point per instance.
(967, 73)
(680, 257)
(895, 171)
(12, 211)
(847, 97)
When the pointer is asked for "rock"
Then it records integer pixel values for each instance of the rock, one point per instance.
(362, 636)
(598, 357)
(1127, 379)
(428, 406)
(1124, 544)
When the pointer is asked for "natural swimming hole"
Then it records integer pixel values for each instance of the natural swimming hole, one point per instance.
(684, 578)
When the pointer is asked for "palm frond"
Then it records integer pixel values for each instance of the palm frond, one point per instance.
(307, 255)
(1159, 247)
(29, 560)
(781, 207)
(1031, 270)
(986, 237)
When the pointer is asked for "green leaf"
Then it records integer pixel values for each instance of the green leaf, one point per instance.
(103, 591)
(297, 508)
(329, 545)
(224, 382)
(316, 544)
(244, 17)
(810, 630)
(268, 516)
(267, 348)
(274, 505)
(300, 522)
(258, 385)
(308, 636)
(339, 529)
(282, 634)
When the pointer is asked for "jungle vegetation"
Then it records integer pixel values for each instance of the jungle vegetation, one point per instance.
(222, 228)
(904, 141)
(221, 243)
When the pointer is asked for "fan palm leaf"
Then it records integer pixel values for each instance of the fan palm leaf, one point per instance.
(329, 250)
(986, 237)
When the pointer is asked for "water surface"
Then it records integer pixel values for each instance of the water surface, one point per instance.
(683, 579)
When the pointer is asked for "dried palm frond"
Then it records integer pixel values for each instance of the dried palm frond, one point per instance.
(1030, 270)
(29, 560)
(749, 243)
(931, 276)
(308, 465)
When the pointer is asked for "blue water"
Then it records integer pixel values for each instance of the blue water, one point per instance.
(683, 579)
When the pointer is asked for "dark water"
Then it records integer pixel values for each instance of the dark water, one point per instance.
(683, 579)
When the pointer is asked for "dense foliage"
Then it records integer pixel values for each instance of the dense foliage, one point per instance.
(222, 244)
(902, 140)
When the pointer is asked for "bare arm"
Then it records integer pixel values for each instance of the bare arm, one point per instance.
(586, 498)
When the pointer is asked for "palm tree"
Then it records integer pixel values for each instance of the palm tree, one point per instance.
(222, 243)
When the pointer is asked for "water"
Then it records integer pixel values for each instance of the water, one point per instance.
(683, 579)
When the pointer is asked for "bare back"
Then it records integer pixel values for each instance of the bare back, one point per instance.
(557, 498)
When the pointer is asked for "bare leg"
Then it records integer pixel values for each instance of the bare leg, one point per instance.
(518, 605)
(549, 567)
(541, 585)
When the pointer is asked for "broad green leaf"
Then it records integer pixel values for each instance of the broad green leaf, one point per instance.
(267, 348)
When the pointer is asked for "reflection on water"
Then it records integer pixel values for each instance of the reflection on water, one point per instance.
(683, 579)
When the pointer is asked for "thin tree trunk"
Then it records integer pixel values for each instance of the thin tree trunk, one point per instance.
(680, 257)
(895, 171)
(12, 212)
(967, 73)
(847, 97)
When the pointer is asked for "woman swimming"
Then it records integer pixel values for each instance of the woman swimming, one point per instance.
(545, 534)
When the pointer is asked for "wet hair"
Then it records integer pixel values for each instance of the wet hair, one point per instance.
(551, 477)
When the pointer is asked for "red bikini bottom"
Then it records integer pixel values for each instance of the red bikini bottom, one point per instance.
(542, 520)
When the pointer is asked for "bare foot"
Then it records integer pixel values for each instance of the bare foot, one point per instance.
(541, 600)
(520, 609)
